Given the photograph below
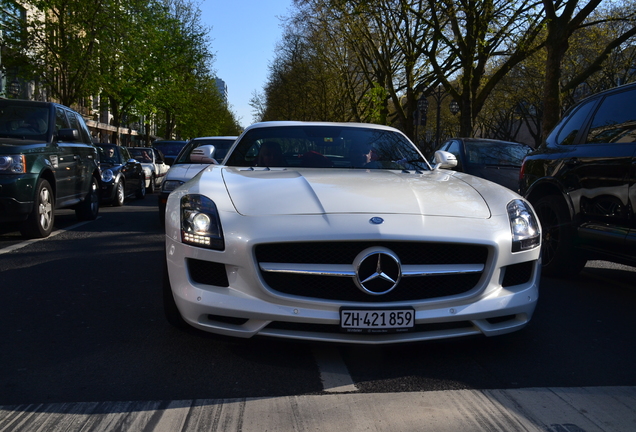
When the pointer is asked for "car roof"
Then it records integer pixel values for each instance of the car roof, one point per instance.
(215, 138)
(319, 124)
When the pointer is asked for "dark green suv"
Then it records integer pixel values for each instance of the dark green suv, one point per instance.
(47, 161)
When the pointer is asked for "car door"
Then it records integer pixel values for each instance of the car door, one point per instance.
(630, 243)
(85, 154)
(160, 164)
(598, 171)
(67, 161)
(131, 170)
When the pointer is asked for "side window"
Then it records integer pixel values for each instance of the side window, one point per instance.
(453, 148)
(574, 123)
(615, 120)
(61, 122)
(83, 130)
(125, 155)
(73, 120)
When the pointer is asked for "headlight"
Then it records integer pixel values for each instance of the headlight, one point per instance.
(200, 223)
(13, 164)
(107, 176)
(525, 228)
(170, 185)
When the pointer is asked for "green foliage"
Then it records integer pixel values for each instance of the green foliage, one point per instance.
(145, 59)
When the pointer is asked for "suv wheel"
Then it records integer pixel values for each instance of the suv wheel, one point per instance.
(89, 208)
(39, 223)
(559, 256)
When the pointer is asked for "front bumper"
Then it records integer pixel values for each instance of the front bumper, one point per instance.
(245, 306)
(16, 196)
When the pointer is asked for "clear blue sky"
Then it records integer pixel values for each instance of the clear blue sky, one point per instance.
(244, 34)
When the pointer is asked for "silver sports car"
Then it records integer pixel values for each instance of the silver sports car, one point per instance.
(343, 232)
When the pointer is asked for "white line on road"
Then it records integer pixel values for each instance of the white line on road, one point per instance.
(53, 234)
(333, 371)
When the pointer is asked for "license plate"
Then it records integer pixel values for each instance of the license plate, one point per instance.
(376, 320)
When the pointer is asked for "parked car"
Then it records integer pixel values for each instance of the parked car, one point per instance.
(189, 162)
(582, 184)
(169, 148)
(122, 175)
(380, 247)
(47, 162)
(494, 160)
(153, 163)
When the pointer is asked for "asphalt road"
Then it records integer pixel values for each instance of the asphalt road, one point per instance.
(81, 321)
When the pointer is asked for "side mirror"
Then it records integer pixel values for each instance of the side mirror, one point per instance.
(68, 135)
(203, 154)
(444, 159)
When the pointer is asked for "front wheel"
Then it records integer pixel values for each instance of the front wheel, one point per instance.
(120, 194)
(141, 193)
(39, 223)
(89, 208)
(151, 185)
(559, 255)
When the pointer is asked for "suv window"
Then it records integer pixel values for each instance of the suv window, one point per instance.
(615, 120)
(61, 122)
(569, 131)
(83, 130)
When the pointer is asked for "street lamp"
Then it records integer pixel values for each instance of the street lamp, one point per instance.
(421, 114)
(14, 88)
(453, 107)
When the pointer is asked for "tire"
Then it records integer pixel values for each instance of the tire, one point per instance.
(151, 188)
(141, 193)
(89, 208)
(120, 195)
(559, 256)
(170, 310)
(39, 223)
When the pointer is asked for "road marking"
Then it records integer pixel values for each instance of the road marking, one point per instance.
(333, 371)
(53, 234)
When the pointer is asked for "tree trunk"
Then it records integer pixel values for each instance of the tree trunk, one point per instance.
(556, 46)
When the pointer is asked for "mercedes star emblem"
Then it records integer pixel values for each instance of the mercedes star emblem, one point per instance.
(378, 270)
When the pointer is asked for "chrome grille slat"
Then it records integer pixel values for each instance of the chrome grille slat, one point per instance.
(325, 270)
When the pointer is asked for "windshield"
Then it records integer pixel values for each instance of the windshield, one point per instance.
(169, 148)
(495, 153)
(316, 146)
(109, 155)
(26, 122)
(221, 146)
(143, 155)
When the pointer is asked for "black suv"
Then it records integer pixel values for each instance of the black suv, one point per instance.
(582, 184)
(47, 161)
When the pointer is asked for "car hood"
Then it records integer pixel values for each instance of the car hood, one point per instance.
(184, 172)
(256, 192)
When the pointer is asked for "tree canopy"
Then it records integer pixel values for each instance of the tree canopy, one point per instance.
(145, 61)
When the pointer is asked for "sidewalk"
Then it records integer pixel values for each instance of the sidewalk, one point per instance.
(587, 409)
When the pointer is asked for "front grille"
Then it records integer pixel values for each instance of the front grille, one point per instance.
(345, 289)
